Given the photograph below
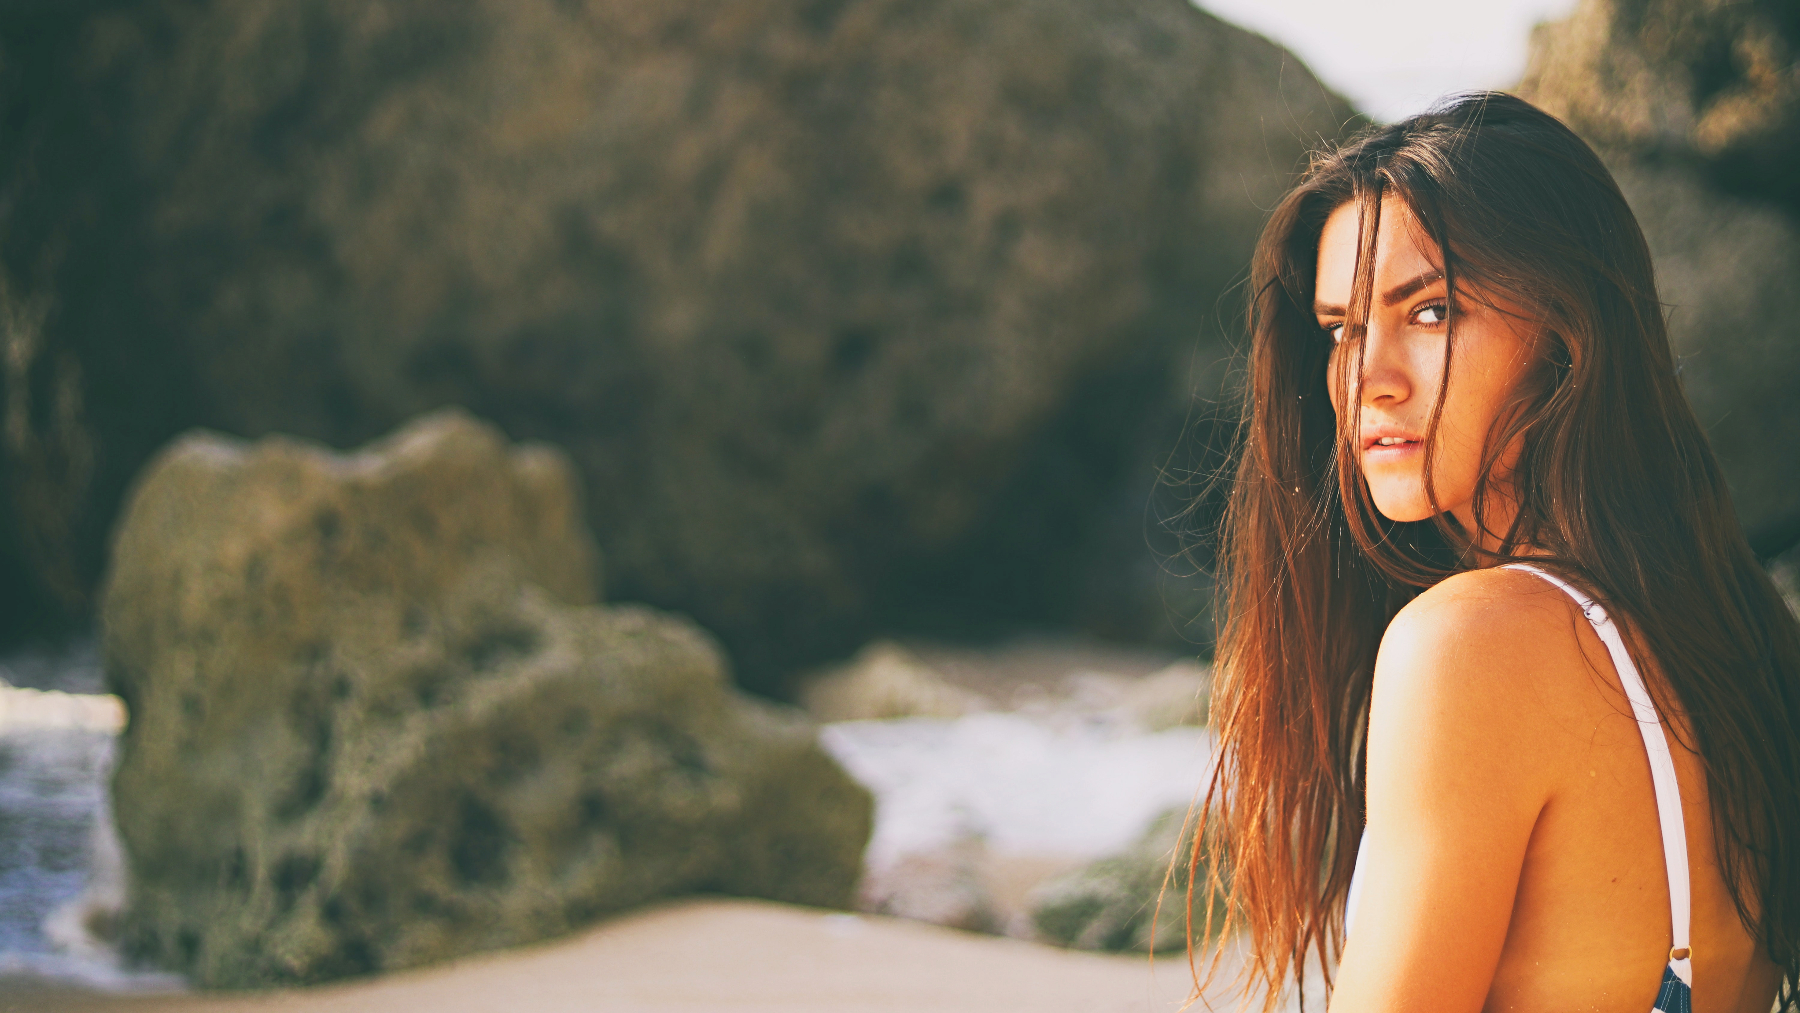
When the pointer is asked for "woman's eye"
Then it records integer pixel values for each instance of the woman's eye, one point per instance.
(1432, 314)
(1335, 332)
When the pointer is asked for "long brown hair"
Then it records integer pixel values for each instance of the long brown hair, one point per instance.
(1614, 480)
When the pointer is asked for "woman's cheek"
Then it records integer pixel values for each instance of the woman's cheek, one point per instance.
(1334, 382)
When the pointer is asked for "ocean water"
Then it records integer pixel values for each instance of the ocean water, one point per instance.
(1061, 784)
(61, 874)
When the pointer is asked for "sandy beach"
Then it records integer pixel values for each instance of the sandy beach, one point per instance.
(712, 956)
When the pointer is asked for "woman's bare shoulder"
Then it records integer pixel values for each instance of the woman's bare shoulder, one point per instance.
(1495, 652)
(1490, 618)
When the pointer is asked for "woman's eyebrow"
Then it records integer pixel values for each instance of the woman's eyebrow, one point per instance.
(1388, 298)
(1406, 288)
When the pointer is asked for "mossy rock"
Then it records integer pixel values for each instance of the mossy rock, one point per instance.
(376, 720)
(1133, 901)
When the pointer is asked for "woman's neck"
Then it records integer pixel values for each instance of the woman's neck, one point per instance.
(1499, 512)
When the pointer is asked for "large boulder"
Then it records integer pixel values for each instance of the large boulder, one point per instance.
(853, 313)
(1696, 105)
(1713, 82)
(1728, 270)
(376, 720)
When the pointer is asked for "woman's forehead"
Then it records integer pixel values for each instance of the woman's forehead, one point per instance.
(1402, 250)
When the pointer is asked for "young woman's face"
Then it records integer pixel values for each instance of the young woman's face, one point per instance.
(1403, 368)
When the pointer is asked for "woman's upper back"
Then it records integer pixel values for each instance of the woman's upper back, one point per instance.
(1514, 859)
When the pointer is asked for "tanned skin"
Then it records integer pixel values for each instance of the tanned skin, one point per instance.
(1514, 860)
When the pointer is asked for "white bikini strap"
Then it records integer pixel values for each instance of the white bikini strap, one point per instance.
(1662, 767)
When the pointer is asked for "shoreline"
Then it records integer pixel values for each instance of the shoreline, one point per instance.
(713, 955)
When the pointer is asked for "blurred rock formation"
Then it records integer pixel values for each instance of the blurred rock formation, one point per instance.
(1696, 105)
(1132, 901)
(1712, 84)
(377, 721)
(1177, 695)
(948, 886)
(885, 681)
(853, 314)
(1786, 573)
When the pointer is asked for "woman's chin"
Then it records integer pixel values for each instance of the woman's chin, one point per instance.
(1403, 509)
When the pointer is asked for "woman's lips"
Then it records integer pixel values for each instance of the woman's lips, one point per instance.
(1390, 445)
(1379, 453)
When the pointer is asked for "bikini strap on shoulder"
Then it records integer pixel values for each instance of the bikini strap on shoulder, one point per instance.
(1662, 766)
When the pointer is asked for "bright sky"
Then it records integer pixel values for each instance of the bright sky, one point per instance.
(1395, 57)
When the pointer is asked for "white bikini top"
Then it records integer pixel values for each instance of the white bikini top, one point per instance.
(1678, 978)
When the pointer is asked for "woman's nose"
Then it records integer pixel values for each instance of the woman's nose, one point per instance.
(1385, 378)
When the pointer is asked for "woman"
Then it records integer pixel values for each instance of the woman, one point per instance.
(1473, 513)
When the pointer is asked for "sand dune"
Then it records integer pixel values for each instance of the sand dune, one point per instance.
(713, 956)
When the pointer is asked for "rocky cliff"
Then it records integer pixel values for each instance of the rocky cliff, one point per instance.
(851, 313)
(1696, 105)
